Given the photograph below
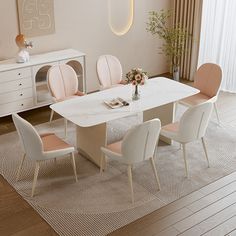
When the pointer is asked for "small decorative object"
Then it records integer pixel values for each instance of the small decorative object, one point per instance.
(136, 77)
(116, 103)
(23, 54)
(174, 37)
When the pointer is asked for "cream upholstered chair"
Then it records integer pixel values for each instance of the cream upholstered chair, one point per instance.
(109, 71)
(207, 79)
(63, 85)
(40, 148)
(192, 126)
(138, 145)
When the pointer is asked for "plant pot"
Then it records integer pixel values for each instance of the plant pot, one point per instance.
(175, 73)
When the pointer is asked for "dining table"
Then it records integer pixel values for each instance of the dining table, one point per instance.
(90, 113)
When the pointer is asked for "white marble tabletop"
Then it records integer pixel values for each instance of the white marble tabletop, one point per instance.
(91, 110)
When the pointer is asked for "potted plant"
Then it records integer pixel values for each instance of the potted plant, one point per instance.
(174, 37)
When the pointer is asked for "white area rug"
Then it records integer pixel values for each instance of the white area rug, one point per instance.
(97, 205)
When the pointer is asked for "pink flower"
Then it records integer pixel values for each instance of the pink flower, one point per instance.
(138, 77)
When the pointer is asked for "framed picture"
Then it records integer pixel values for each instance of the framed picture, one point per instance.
(36, 17)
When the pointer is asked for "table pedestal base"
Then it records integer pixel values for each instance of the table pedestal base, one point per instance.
(91, 139)
(166, 115)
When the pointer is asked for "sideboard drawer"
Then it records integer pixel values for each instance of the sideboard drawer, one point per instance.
(9, 108)
(15, 85)
(16, 95)
(10, 75)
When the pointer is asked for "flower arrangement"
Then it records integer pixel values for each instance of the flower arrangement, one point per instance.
(136, 76)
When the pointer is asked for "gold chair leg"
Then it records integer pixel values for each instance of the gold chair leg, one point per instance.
(217, 114)
(155, 172)
(185, 160)
(74, 166)
(51, 116)
(175, 110)
(20, 167)
(66, 123)
(131, 182)
(36, 172)
(205, 150)
(101, 164)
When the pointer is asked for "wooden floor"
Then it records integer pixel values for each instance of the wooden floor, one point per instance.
(209, 211)
(17, 217)
(35, 117)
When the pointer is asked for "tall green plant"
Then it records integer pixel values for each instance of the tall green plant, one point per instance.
(174, 36)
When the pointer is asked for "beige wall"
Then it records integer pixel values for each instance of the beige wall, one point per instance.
(83, 25)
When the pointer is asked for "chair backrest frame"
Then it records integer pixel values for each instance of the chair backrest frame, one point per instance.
(30, 140)
(208, 79)
(109, 71)
(194, 122)
(62, 81)
(140, 141)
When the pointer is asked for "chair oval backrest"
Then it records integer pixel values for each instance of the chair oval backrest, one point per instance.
(109, 71)
(208, 79)
(194, 122)
(62, 81)
(140, 141)
(29, 137)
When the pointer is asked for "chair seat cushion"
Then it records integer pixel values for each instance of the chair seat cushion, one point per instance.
(115, 147)
(172, 127)
(51, 142)
(195, 99)
(170, 130)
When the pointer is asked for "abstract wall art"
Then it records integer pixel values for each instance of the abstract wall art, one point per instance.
(36, 17)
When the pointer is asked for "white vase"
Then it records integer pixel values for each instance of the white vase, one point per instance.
(22, 56)
(136, 93)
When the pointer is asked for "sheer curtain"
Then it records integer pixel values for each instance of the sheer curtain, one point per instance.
(218, 39)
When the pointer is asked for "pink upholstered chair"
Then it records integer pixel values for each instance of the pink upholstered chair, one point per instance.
(40, 148)
(63, 85)
(207, 79)
(109, 71)
(138, 145)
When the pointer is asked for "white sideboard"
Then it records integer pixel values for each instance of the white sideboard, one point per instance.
(23, 86)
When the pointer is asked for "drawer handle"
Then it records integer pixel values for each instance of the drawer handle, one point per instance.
(20, 84)
(22, 104)
(21, 94)
(19, 73)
